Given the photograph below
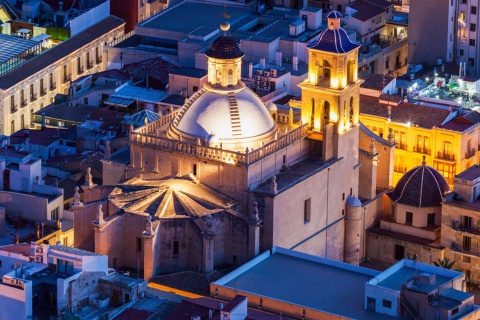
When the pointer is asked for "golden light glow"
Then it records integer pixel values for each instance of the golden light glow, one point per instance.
(344, 82)
(311, 79)
(333, 116)
(334, 83)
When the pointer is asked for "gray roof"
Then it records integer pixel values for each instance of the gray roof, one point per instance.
(190, 72)
(63, 111)
(60, 51)
(139, 93)
(71, 250)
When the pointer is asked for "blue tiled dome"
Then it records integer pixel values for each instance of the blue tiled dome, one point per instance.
(421, 187)
(333, 40)
(334, 15)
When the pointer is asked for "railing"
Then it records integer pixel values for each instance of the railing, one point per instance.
(67, 77)
(89, 64)
(98, 60)
(422, 149)
(33, 97)
(400, 169)
(474, 251)
(470, 153)
(23, 103)
(43, 92)
(80, 70)
(13, 109)
(446, 156)
(243, 158)
(401, 145)
(53, 86)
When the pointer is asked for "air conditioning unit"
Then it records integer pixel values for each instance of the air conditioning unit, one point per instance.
(264, 83)
(258, 72)
(39, 250)
(13, 281)
(38, 258)
(274, 72)
(20, 283)
(257, 77)
(266, 74)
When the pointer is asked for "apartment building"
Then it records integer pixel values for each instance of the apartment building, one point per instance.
(34, 84)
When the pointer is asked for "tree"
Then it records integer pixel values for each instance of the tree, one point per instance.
(444, 263)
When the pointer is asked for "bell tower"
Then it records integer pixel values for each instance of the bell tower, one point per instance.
(330, 95)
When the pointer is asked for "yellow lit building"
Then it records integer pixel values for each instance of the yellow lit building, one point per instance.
(449, 138)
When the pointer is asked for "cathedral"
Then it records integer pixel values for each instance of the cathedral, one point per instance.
(227, 176)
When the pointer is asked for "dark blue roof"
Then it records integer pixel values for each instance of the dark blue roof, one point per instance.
(224, 47)
(333, 40)
(334, 15)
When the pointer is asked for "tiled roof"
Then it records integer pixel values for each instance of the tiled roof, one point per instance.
(333, 40)
(463, 122)
(76, 113)
(471, 173)
(75, 251)
(60, 51)
(365, 11)
(189, 281)
(421, 187)
(224, 47)
(44, 137)
(425, 117)
(376, 81)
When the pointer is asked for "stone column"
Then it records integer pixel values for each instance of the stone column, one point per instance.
(208, 245)
(254, 223)
(148, 250)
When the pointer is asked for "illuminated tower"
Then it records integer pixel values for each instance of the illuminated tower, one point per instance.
(330, 95)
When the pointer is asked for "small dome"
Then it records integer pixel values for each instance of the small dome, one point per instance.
(333, 40)
(421, 187)
(334, 15)
(272, 107)
(353, 202)
(224, 47)
(212, 139)
(225, 26)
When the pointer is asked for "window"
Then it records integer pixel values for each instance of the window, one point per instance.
(473, 10)
(461, 52)
(471, 62)
(85, 100)
(466, 243)
(22, 121)
(462, 16)
(472, 42)
(32, 93)
(473, 27)
(409, 218)
(387, 304)
(54, 214)
(195, 88)
(139, 244)
(307, 207)
(466, 259)
(467, 221)
(65, 241)
(194, 169)
(12, 103)
(64, 266)
(387, 64)
(455, 311)
(176, 248)
(12, 127)
(431, 219)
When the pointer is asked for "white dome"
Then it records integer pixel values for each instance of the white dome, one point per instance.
(216, 112)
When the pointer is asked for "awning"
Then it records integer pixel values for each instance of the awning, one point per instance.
(119, 102)
(41, 37)
(23, 30)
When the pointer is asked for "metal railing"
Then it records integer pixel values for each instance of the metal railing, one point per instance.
(470, 153)
(33, 97)
(400, 169)
(446, 156)
(23, 103)
(422, 149)
(67, 78)
(401, 145)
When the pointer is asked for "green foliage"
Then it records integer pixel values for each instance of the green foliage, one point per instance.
(444, 263)
(58, 33)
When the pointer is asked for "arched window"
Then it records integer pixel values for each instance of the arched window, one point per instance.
(345, 112)
(230, 77)
(22, 121)
(219, 76)
(351, 111)
(312, 118)
(326, 69)
(12, 127)
(326, 112)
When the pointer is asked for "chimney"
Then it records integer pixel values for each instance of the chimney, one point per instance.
(262, 63)
(250, 70)
(16, 238)
(278, 58)
(43, 121)
(295, 62)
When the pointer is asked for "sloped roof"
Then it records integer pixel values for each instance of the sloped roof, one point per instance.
(365, 11)
(463, 122)
(421, 187)
(422, 116)
(44, 137)
(189, 281)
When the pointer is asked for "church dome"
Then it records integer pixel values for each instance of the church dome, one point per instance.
(421, 187)
(224, 47)
(333, 38)
(233, 116)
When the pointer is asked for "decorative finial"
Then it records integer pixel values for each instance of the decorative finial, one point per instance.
(390, 136)
(149, 225)
(373, 147)
(273, 185)
(100, 214)
(88, 178)
(255, 211)
(209, 224)
(108, 151)
(76, 197)
(424, 162)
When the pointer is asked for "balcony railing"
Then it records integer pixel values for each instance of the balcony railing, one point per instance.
(422, 149)
(401, 145)
(53, 86)
(89, 64)
(446, 156)
(470, 153)
(400, 169)
(472, 250)
(13, 108)
(33, 97)
(98, 60)
(81, 70)
(67, 78)
(23, 103)
(43, 92)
